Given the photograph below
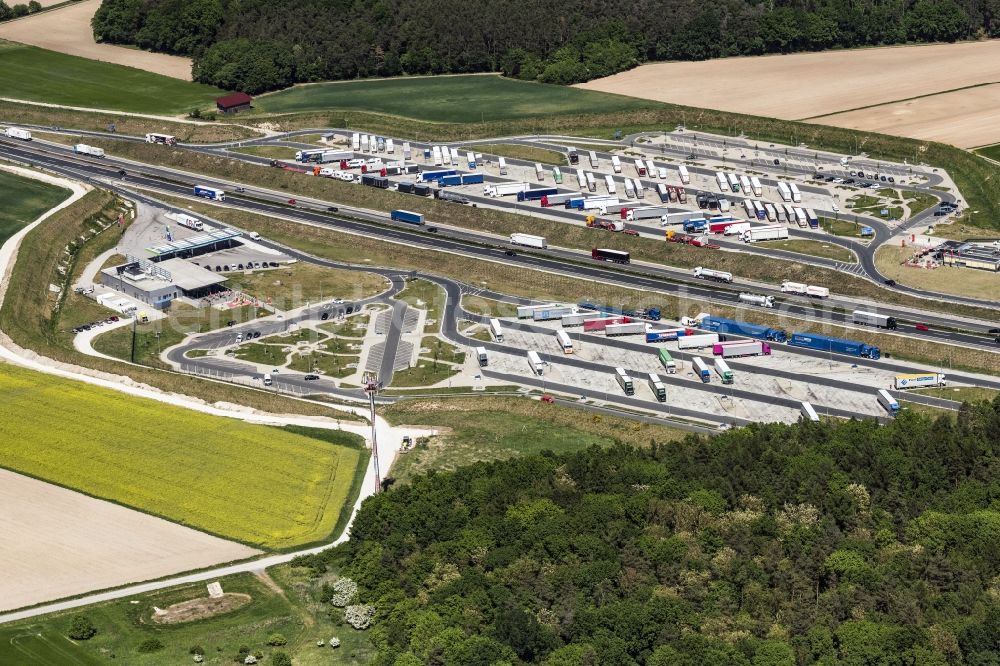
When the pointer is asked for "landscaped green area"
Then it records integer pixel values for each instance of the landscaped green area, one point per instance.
(992, 152)
(260, 485)
(447, 99)
(24, 199)
(427, 296)
(815, 248)
(520, 152)
(293, 612)
(38, 75)
(496, 428)
(840, 227)
(427, 371)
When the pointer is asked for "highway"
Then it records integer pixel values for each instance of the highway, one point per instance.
(482, 246)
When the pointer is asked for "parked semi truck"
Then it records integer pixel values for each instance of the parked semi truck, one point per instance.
(735, 327)
(496, 329)
(710, 274)
(722, 369)
(624, 381)
(919, 380)
(558, 199)
(536, 194)
(667, 335)
(578, 318)
(697, 341)
(565, 342)
(888, 402)
(667, 361)
(536, 363)
(796, 195)
(645, 213)
(551, 312)
(873, 319)
(808, 413)
(505, 189)
(602, 323)
(755, 234)
(756, 186)
(737, 348)
(616, 164)
(84, 149)
(685, 177)
(407, 216)
(785, 192)
(701, 369)
(630, 328)
(833, 345)
(528, 240)
(186, 221)
(651, 313)
(657, 387)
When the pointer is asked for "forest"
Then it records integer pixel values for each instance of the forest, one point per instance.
(818, 543)
(260, 45)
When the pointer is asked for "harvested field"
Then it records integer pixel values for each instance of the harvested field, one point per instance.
(58, 543)
(964, 118)
(67, 30)
(200, 608)
(865, 78)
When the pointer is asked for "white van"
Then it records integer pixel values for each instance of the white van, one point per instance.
(267, 380)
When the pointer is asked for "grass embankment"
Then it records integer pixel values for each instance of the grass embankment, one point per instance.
(31, 114)
(519, 281)
(39, 75)
(273, 152)
(38, 319)
(447, 99)
(521, 152)
(945, 279)
(250, 483)
(426, 296)
(293, 610)
(815, 249)
(504, 223)
(495, 428)
(487, 306)
(22, 200)
(992, 152)
(294, 285)
(958, 230)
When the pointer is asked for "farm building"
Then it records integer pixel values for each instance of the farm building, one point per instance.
(159, 284)
(234, 103)
(969, 255)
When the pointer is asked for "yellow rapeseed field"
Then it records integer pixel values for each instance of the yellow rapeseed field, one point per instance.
(256, 484)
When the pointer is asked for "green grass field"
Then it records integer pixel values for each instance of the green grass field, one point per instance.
(443, 99)
(124, 624)
(992, 152)
(37, 75)
(22, 200)
(260, 485)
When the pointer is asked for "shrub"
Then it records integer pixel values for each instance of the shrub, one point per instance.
(344, 592)
(150, 645)
(81, 628)
(196, 649)
(281, 659)
(360, 616)
(276, 640)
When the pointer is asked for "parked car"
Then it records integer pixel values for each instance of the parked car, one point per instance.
(325, 316)
(309, 378)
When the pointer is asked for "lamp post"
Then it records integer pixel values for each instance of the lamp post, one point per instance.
(371, 388)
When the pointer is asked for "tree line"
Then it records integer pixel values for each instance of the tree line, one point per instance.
(817, 543)
(18, 10)
(259, 45)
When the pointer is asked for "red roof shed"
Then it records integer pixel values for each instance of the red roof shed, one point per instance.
(233, 102)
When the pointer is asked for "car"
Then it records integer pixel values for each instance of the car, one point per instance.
(273, 264)
(113, 318)
(231, 322)
(835, 208)
(338, 301)
(884, 178)
(241, 190)
(510, 253)
(829, 179)
(922, 327)
(818, 176)
(350, 309)
(994, 331)
(274, 372)
(630, 232)
(891, 179)
(777, 162)
(332, 209)
(325, 316)
(292, 202)
(849, 181)
(889, 283)
(256, 334)
(838, 181)
(239, 337)
(548, 398)
(310, 378)
(239, 266)
(121, 173)
(997, 340)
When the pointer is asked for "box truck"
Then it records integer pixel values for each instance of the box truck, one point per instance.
(685, 177)
(496, 330)
(481, 357)
(701, 370)
(503, 166)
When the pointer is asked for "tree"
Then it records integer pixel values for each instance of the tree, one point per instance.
(81, 628)
(34, 6)
(19, 10)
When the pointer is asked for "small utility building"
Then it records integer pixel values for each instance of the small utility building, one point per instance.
(234, 103)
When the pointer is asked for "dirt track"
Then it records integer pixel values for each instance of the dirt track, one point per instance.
(807, 85)
(59, 543)
(67, 30)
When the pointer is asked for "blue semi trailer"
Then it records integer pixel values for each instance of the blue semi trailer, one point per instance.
(723, 325)
(407, 216)
(535, 195)
(834, 345)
